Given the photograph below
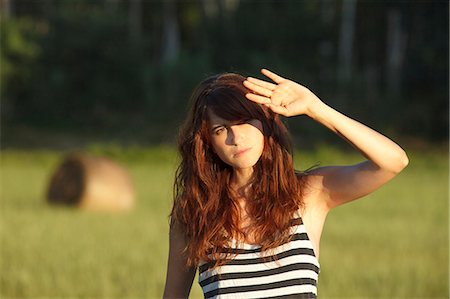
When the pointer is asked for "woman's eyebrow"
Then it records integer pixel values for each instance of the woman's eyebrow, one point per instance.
(214, 127)
(226, 123)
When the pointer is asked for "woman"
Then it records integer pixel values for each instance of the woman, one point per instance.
(242, 215)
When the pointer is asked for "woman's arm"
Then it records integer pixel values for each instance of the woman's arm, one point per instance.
(335, 184)
(179, 278)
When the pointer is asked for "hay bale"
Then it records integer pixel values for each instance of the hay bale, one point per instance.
(91, 183)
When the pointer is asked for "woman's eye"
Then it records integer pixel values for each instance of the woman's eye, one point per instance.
(219, 130)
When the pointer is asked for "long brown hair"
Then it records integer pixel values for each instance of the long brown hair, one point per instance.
(205, 208)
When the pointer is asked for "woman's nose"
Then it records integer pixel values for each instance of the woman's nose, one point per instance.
(236, 134)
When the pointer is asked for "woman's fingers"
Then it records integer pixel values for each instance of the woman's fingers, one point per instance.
(268, 103)
(261, 83)
(258, 99)
(269, 94)
(274, 77)
(258, 88)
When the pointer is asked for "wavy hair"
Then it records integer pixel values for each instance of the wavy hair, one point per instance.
(205, 208)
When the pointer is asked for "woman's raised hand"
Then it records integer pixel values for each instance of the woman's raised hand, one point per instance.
(284, 97)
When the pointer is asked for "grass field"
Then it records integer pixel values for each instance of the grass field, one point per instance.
(391, 244)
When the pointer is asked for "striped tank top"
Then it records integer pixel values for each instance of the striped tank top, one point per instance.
(287, 271)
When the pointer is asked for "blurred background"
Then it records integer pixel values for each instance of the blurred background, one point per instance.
(112, 78)
(124, 69)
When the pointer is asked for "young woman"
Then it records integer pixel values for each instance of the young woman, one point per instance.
(242, 215)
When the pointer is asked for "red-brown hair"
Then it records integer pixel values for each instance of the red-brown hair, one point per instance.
(205, 208)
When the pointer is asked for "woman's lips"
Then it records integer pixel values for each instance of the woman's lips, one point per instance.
(242, 151)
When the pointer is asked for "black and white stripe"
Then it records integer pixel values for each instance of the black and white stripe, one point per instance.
(289, 270)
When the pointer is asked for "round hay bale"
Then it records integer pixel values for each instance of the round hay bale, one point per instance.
(91, 183)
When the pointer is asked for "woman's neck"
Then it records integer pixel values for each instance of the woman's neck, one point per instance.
(240, 180)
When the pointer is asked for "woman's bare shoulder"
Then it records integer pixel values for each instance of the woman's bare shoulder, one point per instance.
(311, 184)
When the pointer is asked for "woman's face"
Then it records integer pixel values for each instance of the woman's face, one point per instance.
(238, 144)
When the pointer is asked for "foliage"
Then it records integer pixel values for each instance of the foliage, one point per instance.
(18, 54)
(83, 65)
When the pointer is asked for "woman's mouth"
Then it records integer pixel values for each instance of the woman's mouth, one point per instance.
(242, 152)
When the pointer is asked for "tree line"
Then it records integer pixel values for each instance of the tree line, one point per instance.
(131, 65)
